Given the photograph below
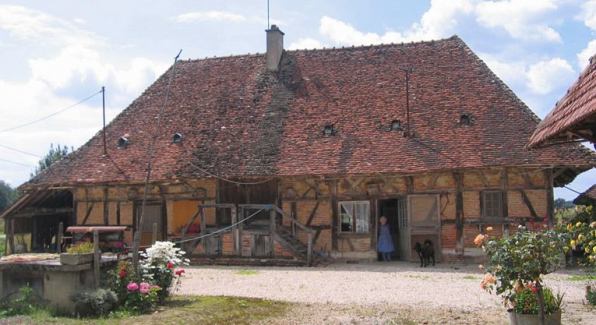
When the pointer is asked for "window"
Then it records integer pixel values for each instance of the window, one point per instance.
(354, 216)
(465, 119)
(396, 125)
(492, 204)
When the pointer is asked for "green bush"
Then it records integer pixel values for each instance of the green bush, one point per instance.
(97, 303)
(82, 248)
(23, 305)
(591, 296)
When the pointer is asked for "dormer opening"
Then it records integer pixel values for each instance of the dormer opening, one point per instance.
(464, 119)
(329, 130)
(396, 125)
(122, 142)
(177, 138)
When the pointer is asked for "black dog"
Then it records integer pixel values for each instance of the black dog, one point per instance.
(425, 252)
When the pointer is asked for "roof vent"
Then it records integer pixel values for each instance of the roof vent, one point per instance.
(329, 130)
(396, 125)
(122, 143)
(465, 120)
(177, 138)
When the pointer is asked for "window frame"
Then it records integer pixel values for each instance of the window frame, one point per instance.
(354, 226)
(485, 205)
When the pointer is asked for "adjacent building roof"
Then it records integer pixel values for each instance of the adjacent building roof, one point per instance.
(587, 198)
(238, 119)
(574, 116)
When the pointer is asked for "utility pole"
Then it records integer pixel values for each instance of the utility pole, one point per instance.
(103, 97)
(408, 71)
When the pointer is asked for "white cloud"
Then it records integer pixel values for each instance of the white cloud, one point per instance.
(305, 43)
(522, 19)
(584, 56)
(545, 76)
(29, 24)
(588, 14)
(342, 33)
(511, 72)
(210, 16)
(440, 20)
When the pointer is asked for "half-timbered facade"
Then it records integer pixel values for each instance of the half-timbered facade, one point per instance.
(314, 146)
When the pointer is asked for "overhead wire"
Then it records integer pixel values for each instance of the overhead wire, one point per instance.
(51, 115)
(21, 151)
(16, 163)
(229, 180)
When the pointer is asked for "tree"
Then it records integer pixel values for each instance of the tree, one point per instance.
(51, 157)
(560, 203)
(7, 195)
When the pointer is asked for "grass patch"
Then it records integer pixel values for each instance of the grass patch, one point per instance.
(180, 310)
(420, 277)
(581, 278)
(469, 277)
(246, 272)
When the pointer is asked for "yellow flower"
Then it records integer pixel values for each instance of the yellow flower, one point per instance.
(589, 208)
(580, 237)
(566, 249)
(479, 239)
(592, 258)
(593, 224)
(594, 249)
(572, 244)
(569, 226)
(579, 224)
(482, 266)
(483, 285)
(587, 250)
(489, 278)
(489, 228)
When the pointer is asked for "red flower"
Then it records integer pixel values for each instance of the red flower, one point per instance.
(170, 265)
(534, 290)
(122, 273)
(179, 272)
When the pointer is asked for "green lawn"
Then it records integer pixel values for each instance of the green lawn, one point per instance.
(180, 310)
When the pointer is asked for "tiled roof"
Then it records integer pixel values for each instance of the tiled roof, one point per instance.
(237, 119)
(588, 197)
(571, 111)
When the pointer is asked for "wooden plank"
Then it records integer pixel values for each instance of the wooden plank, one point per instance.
(135, 253)
(524, 175)
(96, 258)
(118, 221)
(154, 234)
(459, 213)
(313, 213)
(236, 232)
(350, 244)
(309, 249)
(409, 184)
(272, 215)
(87, 214)
(317, 234)
(11, 237)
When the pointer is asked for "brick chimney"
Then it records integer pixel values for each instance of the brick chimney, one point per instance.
(275, 47)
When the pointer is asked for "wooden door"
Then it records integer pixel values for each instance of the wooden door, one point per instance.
(404, 233)
(425, 222)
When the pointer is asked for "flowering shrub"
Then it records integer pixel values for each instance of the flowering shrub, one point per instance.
(158, 266)
(525, 300)
(141, 297)
(519, 260)
(583, 235)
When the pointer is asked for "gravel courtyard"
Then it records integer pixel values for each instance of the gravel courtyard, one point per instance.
(382, 287)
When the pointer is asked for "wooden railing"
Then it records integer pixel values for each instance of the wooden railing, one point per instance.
(304, 228)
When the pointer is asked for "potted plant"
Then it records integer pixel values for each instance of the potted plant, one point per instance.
(516, 264)
(78, 254)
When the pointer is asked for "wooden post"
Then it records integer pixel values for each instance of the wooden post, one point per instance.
(34, 235)
(11, 237)
(309, 251)
(203, 229)
(235, 232)
(154, 235)
(135, 254)
(59, 238)
(96, 258)
(550, 198)
(106, 206)
(459, 213)
(272, 214)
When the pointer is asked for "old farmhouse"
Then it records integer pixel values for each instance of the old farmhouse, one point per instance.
(314, 146)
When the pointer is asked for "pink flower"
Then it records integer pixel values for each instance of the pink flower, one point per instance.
(179, 272)
(144, 285)
(155, 286)
(144, 290)
(132, 286)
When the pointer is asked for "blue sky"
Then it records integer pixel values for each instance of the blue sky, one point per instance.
(55, 53)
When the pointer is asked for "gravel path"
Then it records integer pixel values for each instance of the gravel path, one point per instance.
(445, 286)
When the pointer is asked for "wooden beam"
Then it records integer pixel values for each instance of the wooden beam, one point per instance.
(459, 213)
(483, 179)
(317, 234)
(550, 198)
(334, 215)
(409, 184)
(118, 214)
(87, 214)
(505, 187)
(96, 258)
(106, 210)
(312, 215)
(528, 204)
(350, 244)
(524, 175)
(433, 182)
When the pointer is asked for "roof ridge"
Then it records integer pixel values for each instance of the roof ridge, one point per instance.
(352, 47)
